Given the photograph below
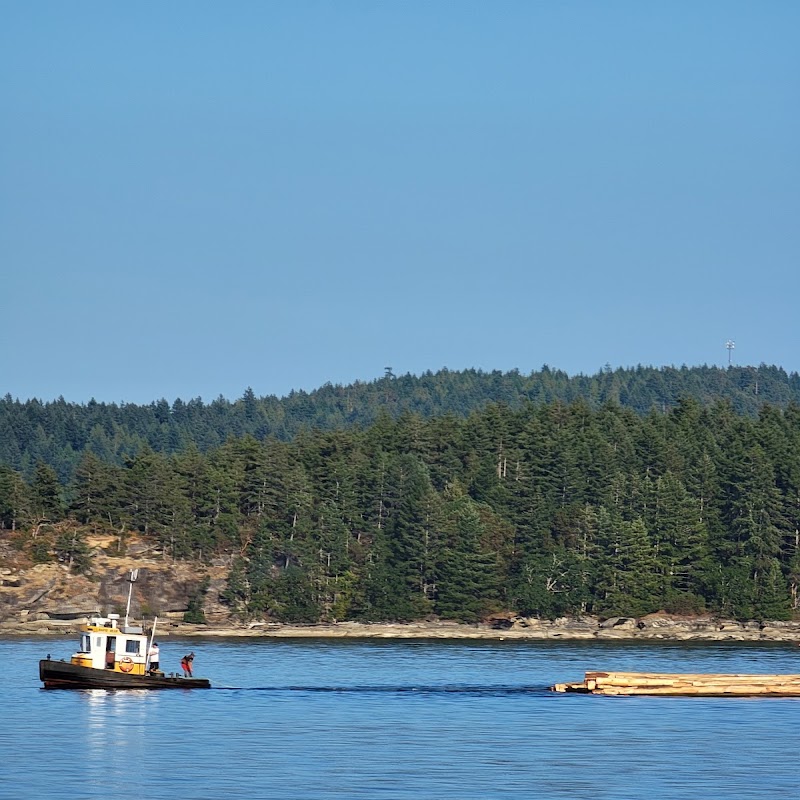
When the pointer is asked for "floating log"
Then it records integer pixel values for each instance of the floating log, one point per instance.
(680, 684)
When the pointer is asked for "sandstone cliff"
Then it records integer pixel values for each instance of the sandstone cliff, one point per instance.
(50, 597)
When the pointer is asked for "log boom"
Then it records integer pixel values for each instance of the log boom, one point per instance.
(684, 684)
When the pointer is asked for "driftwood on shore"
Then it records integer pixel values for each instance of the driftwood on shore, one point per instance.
(687, 684)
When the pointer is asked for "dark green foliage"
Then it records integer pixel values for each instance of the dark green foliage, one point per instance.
(194, 610)
(542, 507)
(41, 550)
(95, 486)
(466, 572)
(45, 495)
(59, 433)
(410, 535)
(294, 597)
(15, 500)
(629, 579)
(71, 549)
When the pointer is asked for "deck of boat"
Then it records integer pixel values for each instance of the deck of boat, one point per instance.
(684, 684)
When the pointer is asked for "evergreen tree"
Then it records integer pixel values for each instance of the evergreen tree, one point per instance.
(682, 548)
(467, 585)
(15, 500)
(629, 582)
(94, 492)
(409, 534)
(46, 494)
(71, 549)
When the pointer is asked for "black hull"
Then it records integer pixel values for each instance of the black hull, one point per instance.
(63, 675)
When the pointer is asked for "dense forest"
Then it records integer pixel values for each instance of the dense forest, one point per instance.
(544, 508)
(58, 433)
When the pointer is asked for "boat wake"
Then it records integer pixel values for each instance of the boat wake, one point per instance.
(487, 691)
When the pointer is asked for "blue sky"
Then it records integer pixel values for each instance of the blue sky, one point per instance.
(199, 197)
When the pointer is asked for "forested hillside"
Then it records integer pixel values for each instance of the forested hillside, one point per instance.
(58, 433)
(551, 508)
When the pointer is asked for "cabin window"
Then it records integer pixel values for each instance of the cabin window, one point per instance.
(132, 646)
(86, 643)
(98, 641)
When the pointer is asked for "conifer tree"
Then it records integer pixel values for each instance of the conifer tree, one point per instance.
(465, 574)
(46, 494)
(15, 501)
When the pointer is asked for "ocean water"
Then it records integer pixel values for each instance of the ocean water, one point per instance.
(402, 720)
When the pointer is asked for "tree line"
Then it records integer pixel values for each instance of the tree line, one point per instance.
(548, 509)
(58, 433)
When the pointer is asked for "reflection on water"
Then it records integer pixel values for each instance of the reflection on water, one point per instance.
(317, 720)
(116, 727)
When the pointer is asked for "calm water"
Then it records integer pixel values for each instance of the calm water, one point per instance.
(317, 720)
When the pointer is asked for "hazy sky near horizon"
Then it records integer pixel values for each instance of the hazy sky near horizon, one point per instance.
(198, 197)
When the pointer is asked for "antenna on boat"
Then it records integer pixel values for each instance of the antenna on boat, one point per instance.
(133, 576)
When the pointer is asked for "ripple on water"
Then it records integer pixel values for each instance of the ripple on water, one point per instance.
(321, 720)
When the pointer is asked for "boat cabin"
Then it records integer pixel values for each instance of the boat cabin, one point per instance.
(104, 645)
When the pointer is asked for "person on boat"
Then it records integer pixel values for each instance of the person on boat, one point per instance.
(154, 655)
(186, 665)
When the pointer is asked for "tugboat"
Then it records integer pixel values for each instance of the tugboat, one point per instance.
(113, 657)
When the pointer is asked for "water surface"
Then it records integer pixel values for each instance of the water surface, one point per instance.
(317, 720)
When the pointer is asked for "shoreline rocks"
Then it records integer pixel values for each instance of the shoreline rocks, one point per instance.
(658, 628)
(49, 600)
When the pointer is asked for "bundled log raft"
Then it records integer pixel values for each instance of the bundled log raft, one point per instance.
(706, 685)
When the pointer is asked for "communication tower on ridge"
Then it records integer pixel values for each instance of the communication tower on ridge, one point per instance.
(730, 344)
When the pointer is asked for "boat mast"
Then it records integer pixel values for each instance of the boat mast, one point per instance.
(133, 577)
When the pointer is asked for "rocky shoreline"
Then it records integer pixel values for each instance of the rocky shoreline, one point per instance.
(49, 600)
(652, 627)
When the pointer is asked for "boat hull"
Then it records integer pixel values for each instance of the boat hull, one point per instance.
(64, 675)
